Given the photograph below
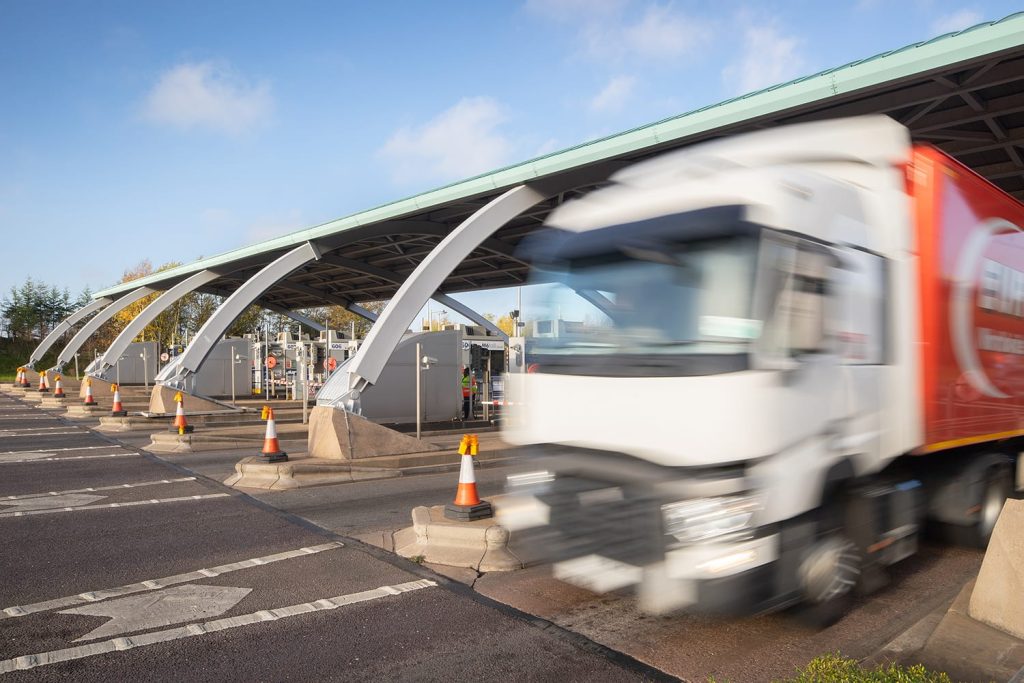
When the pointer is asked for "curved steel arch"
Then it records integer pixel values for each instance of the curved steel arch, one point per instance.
(94, 323)
(176, 374)
(149, 313)
(368, 363)
(65, 325)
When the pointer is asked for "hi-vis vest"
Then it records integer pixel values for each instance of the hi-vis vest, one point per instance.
(468, 386)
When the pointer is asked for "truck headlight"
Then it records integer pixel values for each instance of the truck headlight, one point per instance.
(532, 481)
(701, 519)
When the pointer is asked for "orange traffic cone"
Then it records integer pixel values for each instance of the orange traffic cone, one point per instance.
(58, 390)
(117, 410)
(180, 424)
(24, 379)
(467, 506)
(90, 400)
(19, 377)
(42, 383)
(271, 448)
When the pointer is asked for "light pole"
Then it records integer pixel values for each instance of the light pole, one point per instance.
(430, 318)
(422, 363)
(235, 361)
(145, 367)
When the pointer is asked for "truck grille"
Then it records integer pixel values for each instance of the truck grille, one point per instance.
(592, 517)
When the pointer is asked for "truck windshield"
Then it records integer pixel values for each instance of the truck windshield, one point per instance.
(679, 300)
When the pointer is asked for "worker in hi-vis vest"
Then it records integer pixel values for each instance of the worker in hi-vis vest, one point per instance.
(468, 393)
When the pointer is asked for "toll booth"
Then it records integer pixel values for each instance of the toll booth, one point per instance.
(392, 399)
(225, 372)
(139, 364)
(276, 365)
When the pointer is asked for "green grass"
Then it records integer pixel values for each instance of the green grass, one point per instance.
(834, 668)
(14, 353)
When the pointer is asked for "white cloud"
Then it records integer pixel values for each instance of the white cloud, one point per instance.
(956, 21)
(614, 94)
(769, 57)
(208, 95)
(461, 141)
(609, 31)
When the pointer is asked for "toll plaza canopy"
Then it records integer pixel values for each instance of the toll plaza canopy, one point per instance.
(962, 92)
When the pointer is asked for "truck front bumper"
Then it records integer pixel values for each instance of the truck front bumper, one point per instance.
(724, 578)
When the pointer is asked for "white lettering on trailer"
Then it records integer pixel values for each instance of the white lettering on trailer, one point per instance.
(1002, 289)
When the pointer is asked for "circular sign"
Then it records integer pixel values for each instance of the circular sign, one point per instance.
(331, 363)
(164, 357)
(271, 362)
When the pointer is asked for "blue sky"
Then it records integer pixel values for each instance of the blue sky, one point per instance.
(174, 130)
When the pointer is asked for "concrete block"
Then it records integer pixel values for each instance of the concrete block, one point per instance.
(480, 545)
(998, 597)
(968, 649)
(78, 410)
(255, 472)
(100, 387)
(337, 434)
(161, 402)
(111, 424)
(164, 442)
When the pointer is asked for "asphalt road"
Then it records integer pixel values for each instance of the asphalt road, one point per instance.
(119, 566)
(428, 633)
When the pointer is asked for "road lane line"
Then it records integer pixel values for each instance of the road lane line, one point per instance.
(130, 503)
(4, 461)
(201, 628)
(56, 450)
(154, 584)
(98, 488)
(19, 436)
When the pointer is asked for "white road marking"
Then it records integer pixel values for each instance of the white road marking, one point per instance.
(52, 450)
(22, 457)
(153, 584)
(101, 488)
(47, 503)
(22, 436)
(169, 606)
(6, 458)
(198, 629)
(40, 430)
(114, 505)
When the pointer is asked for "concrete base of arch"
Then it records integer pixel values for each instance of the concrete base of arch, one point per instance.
(161, 402)
(336, 434)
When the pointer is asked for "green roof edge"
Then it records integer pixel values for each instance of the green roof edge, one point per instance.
(950, 48)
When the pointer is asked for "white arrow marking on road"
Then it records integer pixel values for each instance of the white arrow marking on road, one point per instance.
(70, 500)
(200, 629)
(162, 608)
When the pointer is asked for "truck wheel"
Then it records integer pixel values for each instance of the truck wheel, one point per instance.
(996, 491)
(828, 576)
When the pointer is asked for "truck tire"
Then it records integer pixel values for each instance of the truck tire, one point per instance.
(828, 576)
(997, 489)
